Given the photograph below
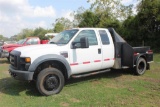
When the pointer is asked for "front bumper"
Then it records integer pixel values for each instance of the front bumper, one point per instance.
(20, 75)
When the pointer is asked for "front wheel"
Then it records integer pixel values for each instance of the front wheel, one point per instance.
(50, 81)
(140, 66)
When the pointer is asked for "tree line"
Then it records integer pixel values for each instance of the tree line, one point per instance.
(142, 28)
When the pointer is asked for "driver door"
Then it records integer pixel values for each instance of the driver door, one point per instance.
(86, 59)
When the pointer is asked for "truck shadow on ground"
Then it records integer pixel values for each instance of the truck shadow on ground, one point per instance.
(14, 87)
(111, 74)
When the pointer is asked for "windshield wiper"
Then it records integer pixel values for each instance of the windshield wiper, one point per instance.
(61, 43)
(52, 43)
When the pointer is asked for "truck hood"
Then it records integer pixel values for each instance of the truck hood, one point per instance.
(11, 45)
(35, 51)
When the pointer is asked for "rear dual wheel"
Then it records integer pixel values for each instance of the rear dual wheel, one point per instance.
(50, 81)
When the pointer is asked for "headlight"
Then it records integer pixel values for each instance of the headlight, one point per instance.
(27, 60)
(25, 63)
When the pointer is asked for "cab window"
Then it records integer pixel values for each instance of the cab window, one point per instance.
(32, 41)
(104, 37)
(90, 34)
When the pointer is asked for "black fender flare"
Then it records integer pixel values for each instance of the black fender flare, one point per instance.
(50, 57)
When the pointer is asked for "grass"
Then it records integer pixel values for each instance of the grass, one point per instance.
(112, 89)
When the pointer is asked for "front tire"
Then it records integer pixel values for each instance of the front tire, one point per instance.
(50, 81)
(141, 66)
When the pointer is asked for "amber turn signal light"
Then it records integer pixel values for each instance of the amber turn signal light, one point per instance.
(27, 60)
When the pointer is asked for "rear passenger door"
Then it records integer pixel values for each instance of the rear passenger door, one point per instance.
(107, 47)
(86, 59)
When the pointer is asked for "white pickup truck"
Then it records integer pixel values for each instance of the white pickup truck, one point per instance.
(76, 53)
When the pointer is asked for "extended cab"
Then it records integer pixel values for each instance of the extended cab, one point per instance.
(6, 49)
(76, 53)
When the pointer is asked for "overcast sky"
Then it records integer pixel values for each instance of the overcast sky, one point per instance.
(16, 15)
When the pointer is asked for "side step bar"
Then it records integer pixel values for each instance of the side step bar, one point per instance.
(89, 74)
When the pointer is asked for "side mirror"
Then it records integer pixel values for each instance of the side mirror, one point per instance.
(84, 43)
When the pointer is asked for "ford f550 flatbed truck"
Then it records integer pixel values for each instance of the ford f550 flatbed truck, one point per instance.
(76, 53)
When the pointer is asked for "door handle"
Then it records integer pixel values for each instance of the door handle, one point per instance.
(99, 51)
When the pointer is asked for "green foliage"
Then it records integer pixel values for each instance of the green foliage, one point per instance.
(89, 19)
(149, 15)
(103, 13)
(62, 24)
(25, 33)
(40, 32)
(58, 27)
(2, 38)
(112, 8)
(144, 28)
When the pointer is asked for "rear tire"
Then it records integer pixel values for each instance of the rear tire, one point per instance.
(50, 81)
(141, 66)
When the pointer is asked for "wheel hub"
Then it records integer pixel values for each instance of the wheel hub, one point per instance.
(141, 66)
(51, 83)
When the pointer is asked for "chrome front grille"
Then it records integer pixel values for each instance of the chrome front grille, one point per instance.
(14, 60)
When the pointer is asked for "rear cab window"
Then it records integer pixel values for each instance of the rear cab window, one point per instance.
(104, 37)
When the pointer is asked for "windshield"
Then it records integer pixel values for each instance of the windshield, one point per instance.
(21, 41)
(63, 37)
